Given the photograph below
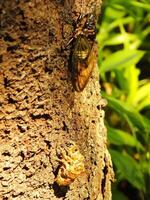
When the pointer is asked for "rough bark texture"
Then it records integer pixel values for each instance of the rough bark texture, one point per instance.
(39, 109)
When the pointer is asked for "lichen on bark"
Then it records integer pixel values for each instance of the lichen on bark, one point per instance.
(39, 108)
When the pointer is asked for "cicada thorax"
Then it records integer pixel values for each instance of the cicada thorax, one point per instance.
(82, 48)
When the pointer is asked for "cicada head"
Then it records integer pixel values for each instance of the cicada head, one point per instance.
(89, 26)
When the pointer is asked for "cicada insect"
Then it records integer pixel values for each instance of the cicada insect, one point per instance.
(82, 55)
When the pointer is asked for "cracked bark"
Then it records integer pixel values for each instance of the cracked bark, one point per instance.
(39, 108)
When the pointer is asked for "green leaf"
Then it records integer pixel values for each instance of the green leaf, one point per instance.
(140, 5)
(120, 38)
(145, 166)
(121, 59)
(133, 4)
(121, 80)
(142, 94)
(134, 118)
(143, 104)
(115, 39)
(116, 12)
(128, 168)
(119, 137)
(132, 77)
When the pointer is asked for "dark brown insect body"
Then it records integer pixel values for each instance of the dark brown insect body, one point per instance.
(82, 54)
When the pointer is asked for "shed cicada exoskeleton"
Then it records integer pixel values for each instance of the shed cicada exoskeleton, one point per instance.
(82, 58)
(71, 164)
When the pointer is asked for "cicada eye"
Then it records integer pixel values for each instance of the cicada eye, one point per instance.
(90, 23)
(80, 17)
(89, 26)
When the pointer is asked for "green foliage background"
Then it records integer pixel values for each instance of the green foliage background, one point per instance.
(124, 66)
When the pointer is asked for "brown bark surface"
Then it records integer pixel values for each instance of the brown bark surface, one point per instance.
(39, 108)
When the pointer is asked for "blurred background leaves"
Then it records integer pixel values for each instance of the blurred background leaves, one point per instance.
(124, 66)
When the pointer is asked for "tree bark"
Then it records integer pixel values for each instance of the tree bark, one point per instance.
(39, 108)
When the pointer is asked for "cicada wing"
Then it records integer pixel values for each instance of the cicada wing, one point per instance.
(79, 81)
(83, 72)
(82, 63)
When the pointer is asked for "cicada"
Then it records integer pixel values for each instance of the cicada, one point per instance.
(82, 58)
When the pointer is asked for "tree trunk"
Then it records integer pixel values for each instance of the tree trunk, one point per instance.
(40, 111)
